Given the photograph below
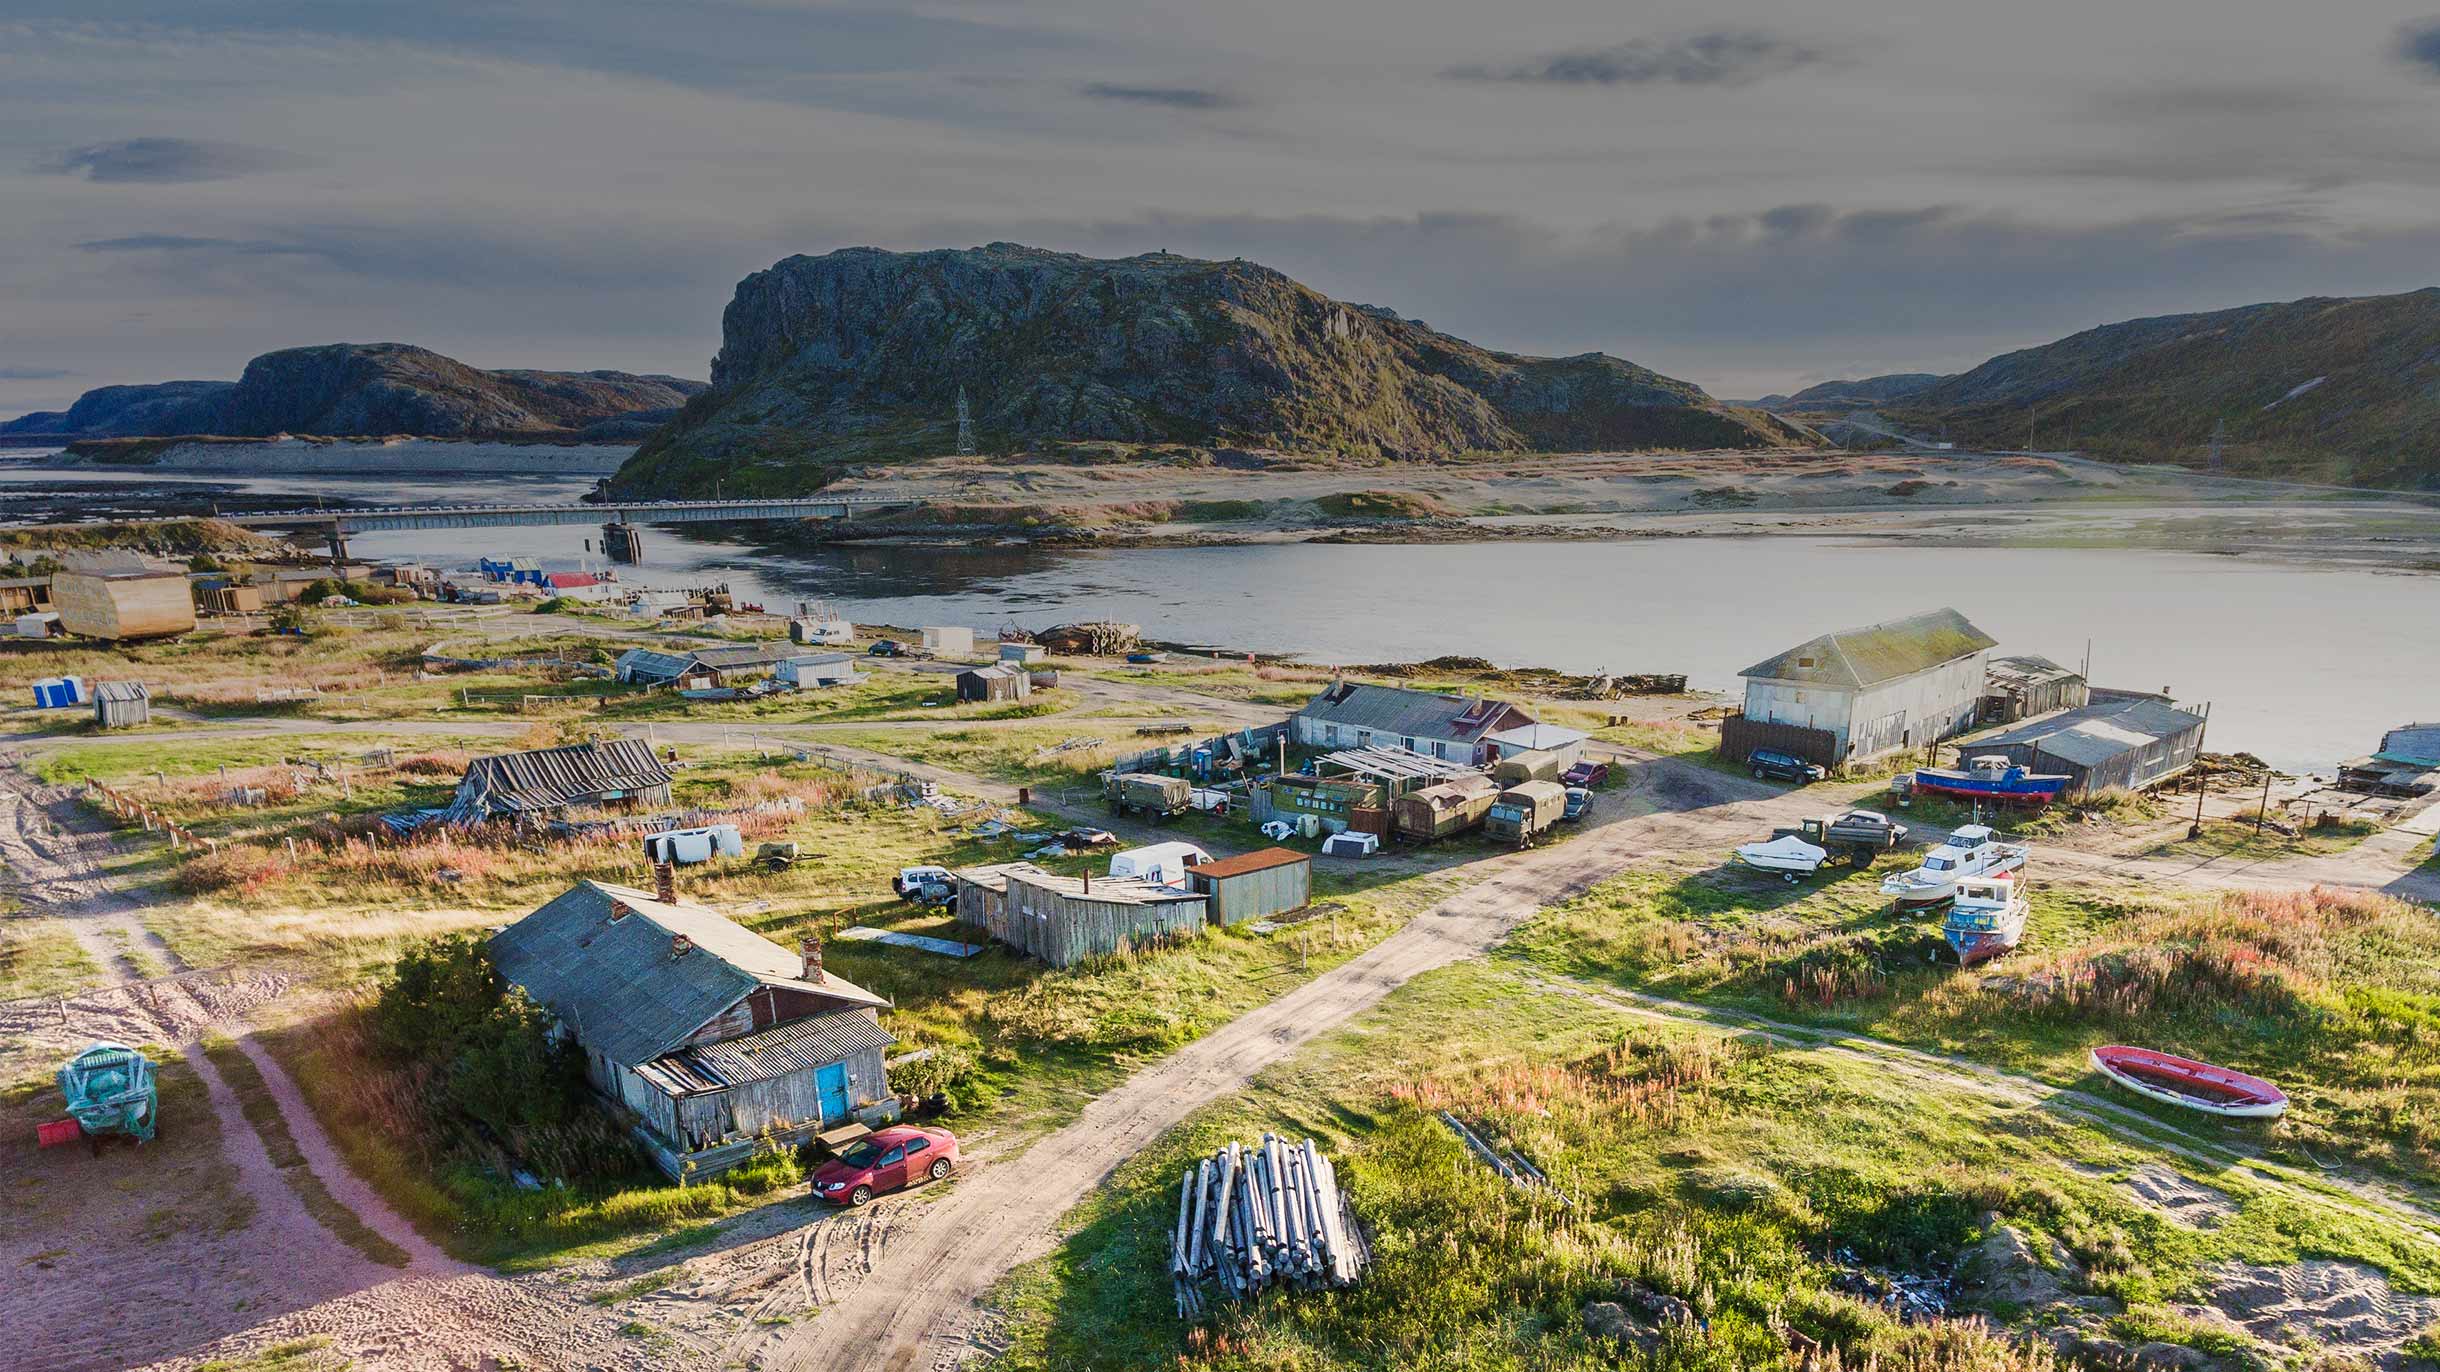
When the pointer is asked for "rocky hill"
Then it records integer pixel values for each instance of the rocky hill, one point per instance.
(1848, 395)
(2326, 390)
(346, 389)
(860, 354)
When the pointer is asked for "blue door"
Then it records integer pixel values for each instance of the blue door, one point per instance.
(831, 1082)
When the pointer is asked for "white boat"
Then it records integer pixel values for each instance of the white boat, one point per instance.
(1972, 851)
(1986, 919)
(1789, 856)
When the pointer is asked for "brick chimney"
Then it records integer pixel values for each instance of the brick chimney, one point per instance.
(665, 882)
(680, 945)
(619, 911)
(810, 949)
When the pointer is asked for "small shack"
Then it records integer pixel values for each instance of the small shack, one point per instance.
(2408, 764)
(1561, 742)
(2017, 688)
(808, 671)
(2125, 744)
(1021, 654)
(948, 640)
(230, 600)
(121, 705)
(122, 602)
(1257, 885)
(999, 681)
(544, 781)
(644, 667)
(1065, 920)
(816, 629)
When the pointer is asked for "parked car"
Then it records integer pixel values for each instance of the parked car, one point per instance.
(1579, 801)
(884, 1161)
(1771, 764)
(1587, 774)
(924, 885)
(887, 647)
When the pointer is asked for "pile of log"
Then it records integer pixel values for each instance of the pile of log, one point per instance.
(1096, 638)
(1269, 1215)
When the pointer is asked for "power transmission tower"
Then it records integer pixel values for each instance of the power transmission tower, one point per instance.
(965, 426)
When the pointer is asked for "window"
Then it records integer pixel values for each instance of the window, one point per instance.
(917, 1145)
(898, 1154)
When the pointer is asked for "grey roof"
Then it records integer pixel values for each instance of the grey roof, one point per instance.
(552, 778)
(995, 671)
(730, 658)
(797, 1046)
(2412, 743)
(655, 666)
(2025, 669)
(1538, 737)
(1408, 713)
(121, 691)
(2090, 735)
(1856, 658)
(620, 984)
(1115, 890)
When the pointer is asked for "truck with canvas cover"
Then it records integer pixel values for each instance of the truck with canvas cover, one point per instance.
(1533, 765)
(1148, 794)
(1430, 813)
(1524, 810)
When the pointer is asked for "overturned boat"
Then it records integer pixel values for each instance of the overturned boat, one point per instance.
(1994, 778)
(1971, 851)
(2185, 1082)
(1985, 919)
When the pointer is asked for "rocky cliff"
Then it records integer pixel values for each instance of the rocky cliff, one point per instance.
(860, 354)
(372, 389)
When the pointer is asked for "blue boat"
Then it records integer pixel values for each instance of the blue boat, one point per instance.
(1993, 778)
(1987, 919)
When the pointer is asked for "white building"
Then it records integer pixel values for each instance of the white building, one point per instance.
(1903, 684)
(948, 640)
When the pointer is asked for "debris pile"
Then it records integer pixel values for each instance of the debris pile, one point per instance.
(1912, 1297)
(1095, 638)
(1515, 1166)
(1272, 1214)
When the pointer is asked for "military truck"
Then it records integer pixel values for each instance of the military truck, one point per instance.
(1533, 765)
(1148, 794)
(1859, 836)
(1524, 810)
(1430, 813)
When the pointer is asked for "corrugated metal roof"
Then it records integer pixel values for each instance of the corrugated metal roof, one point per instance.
(619, 983)
(1409, 714)
(2025, 670)
(121, 692)
(1114, 890)
(1857, 658)
(797, 1046)
(1260, 860)
(2090, 735)
(551, 778)
(730, 659)
(1538, 737)
(2413, 744)
(645, 664)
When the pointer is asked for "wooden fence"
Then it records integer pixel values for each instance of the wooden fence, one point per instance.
(1739, 737)
(127, 807)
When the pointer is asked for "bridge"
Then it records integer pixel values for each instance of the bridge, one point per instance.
(377, 518)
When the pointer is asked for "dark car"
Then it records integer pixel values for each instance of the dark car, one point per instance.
(1778, 766)
(1587, 774)
(1579, 803)
(888, 647)
(884, 1161)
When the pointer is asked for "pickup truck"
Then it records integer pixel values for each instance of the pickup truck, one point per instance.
(1859, 836)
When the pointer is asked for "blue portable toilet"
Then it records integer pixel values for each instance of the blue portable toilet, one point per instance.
(59, 692)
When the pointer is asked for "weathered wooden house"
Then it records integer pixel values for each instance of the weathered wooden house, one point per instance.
(1861, 693)
(2017, 688)
(121, 704)
(123, 601)
(1065, 920)
(1257, 885)
(1451, 728)
(2127, 743)
(2408, 764)
(999, 681)
(713, 1035)
(24, 595)
(544, 781)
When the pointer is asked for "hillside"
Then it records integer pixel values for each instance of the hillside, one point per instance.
(2325, 390)
(860, 354)
(344, 389)
(1847, 395)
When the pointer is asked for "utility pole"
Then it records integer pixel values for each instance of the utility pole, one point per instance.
(2219, 441)
(965, 425)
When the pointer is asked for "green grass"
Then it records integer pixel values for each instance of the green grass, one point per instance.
(310, 1354)
(1699, 1166)
(2239, 838)
(39, 957)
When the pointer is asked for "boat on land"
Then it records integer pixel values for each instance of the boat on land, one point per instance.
(2185, 1082)
(1971, 851)
(1986, 918)
(1787, 855)
(1994, 778)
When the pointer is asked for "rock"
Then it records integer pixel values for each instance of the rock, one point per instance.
(2169, 1357)
(2005, 1269)
(1640, 1318)
(861, 354)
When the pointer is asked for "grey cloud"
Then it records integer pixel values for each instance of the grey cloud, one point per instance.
(2419, 44)
(1173, 97)
(182, 243)
(1721, 57)
(159, 160)
(33, 373)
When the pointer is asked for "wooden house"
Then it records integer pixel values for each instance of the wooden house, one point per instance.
(1065, 920)
(1253, 885)
(1450, 728)
(121, 705)
(999, 681)
(1862, 693)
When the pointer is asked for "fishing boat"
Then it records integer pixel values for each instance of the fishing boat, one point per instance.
(1787, 855)
(2194, 1085)
(1994, 778)
(1986, 918)
(1971, 851)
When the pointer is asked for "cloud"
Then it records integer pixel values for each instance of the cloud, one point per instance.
(181, 243)
(1172, 97)
(2420, 44)
(33, 373)
(163, 160)
(1721, 57)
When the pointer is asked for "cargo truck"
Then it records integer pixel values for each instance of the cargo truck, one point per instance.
(1525, 810)
(1428, 814)
(1534, 765)
(1858, 836)
(1148, 794)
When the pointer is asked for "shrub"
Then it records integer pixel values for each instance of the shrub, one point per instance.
(557, 605)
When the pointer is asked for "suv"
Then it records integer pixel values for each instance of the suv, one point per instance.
(1778, 766)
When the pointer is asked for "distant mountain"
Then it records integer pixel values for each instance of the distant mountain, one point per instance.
(2328, 390)
(1850, 395)
(861, 354)
(350, 389)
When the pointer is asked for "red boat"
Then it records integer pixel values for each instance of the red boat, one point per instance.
(2194, 1085)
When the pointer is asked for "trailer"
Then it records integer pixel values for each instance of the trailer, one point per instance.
(1525, 810)
(1428, 814)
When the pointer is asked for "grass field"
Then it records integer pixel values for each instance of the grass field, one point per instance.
(1742, 1180)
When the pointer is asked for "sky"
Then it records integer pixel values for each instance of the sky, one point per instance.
(1754, 196)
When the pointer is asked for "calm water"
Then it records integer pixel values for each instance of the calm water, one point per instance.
(2303, 665)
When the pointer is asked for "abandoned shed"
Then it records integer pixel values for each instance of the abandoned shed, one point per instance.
(546, 780)
(1065, 920)
(712, 1034)
(1860, 693)
(1451, 728)
(2125, 744)
(2017, 688)
(1333, 804)
(2408, 764)
(644, 667)
(1254, 885)
(999, 681)
(744, 659)
(805, 671)
(121, 704)
(123, 599)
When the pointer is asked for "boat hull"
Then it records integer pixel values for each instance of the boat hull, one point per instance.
(2189, 1084)
(1981, 945)
(2023, 791)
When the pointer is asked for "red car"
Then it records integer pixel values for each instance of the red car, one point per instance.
(886, 1160)
(1587, 774)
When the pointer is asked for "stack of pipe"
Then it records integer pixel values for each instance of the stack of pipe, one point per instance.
(1271, 1214)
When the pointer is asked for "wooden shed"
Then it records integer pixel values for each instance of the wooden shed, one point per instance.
(123, 603)
(1254, 885)
(544, 781)
(1000, 681)
(230, 600)
(1065, 920)
(121, 705)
